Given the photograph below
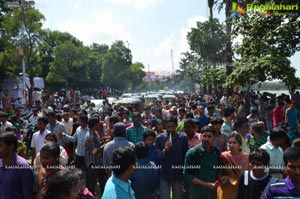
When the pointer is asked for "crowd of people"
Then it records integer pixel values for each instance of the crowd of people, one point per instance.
(194, 147)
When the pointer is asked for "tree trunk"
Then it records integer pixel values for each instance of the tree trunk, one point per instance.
(210, 5)
(30, 91)
(228, 47)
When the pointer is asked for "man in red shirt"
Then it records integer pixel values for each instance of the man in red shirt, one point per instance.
(278, 114)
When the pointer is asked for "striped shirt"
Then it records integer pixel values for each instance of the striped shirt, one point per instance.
(92, 141)
(79, 136)
(284, 189)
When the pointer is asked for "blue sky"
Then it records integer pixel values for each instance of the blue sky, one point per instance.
(151, 27)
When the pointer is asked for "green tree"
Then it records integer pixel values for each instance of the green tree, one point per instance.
(267, 44)
(115, 66)
(208, 41)
(136, 74)
(51, 41)
(94, 63)
(29, 41)
(68, 65)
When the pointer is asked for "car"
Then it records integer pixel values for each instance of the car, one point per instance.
(112, 100)
(126, 95)
(98, 102)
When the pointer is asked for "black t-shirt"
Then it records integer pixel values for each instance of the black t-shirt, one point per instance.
(255, 186)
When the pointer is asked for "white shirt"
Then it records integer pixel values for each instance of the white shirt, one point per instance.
(5, 125)
(68, 125)
(34, 120)
(276, 157)
(38, 139)
(63, 157)
(37, 95)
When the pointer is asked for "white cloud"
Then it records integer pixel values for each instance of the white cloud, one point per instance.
(183, 43)
(141, 4)
(162, 52)
(164, 47)
(97, 27)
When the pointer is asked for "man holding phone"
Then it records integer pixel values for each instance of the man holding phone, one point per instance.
(171, 147)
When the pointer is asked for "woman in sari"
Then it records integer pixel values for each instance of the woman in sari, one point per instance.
(235, 162)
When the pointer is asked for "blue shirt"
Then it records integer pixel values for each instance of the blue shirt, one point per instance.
(117, 189)
(145, 180)
(16, 179)
(152, 153)
(79, 136)
(111, 146)
(134, 135)
(172, 160)
(204, 121)
(284, 189)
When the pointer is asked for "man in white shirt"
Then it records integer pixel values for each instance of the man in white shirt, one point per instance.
(272, 146)
(4, 124)
(68, 122)
(38, 138)
(34, 118)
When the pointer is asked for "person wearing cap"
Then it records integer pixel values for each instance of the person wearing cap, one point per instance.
(4, 123)
(119, 140)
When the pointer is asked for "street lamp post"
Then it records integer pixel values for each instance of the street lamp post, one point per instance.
(22, 5)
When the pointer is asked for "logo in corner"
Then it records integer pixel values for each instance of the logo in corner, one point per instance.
(236, 10)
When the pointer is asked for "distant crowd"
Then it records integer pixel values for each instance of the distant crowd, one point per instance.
(243, 146)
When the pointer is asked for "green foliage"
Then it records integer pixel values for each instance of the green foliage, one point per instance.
(115, 66)
(68, 65)
(213, 76)
(136, 74)
(208, 41)
(267, 44)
